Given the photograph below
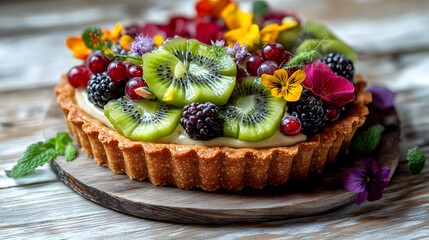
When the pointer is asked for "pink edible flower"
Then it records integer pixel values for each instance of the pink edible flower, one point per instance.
(331, 88)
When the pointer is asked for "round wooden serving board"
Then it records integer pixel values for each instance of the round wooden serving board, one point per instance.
(142, 199)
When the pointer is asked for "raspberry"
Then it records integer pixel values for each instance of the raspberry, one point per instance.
(101, 89)
(202, 121)
(340, 65)
(309, 110)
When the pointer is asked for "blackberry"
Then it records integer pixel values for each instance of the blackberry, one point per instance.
(309, 110)
(101, 89)
(340, 65)
(202, 121)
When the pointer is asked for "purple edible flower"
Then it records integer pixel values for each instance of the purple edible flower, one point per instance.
(369, 180)
(382, 98)
(238, 52)
(218, 43)
(142, 44)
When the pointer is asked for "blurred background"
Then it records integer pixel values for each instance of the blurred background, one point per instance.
(391, 36)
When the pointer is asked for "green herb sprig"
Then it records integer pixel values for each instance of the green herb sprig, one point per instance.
(40, 153)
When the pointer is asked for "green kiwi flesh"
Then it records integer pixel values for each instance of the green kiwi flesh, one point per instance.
(252, 113)
(144, 120)
(182, 71)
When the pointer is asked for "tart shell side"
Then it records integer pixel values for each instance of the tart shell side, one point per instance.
(210, 168)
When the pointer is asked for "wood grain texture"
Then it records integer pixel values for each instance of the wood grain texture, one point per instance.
(142, 199)
(392, 40)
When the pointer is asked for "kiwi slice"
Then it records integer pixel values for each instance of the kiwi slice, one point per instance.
(144, 120)
(183, 71)
(252, 113)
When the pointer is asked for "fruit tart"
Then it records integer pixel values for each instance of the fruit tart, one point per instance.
(224, 100)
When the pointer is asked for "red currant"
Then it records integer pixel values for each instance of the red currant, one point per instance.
(79, 76)
(117, 71)
(332, 113)
(134, 71)
(275, 52)
(133, 85)
(267, 67)
(97, 62)
(253, 63)
(290, 126)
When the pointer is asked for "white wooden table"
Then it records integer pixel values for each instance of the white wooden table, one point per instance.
(391, 36)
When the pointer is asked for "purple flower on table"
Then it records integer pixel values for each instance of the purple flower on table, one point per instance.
(237, 52)
(142, 44)
(369, 180)
(382, 98)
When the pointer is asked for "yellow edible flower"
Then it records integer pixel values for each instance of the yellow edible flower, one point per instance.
(158, 40)
(270, 33)
(281, 85)
(125, 41)
(241, 27)
(235, 18)
(249, 37)
(114, 34)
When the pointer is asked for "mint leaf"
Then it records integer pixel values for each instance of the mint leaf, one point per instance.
(416, 160)
(367, 141)
(61, 141)
(39, 153)
(70, 152)
(35, 156)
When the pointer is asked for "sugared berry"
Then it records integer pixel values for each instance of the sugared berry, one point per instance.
(79, 76)
(117, 71)
(332, 113)
(290, 126)
(202, 121)
(97, 62)
(340, 65)
(275, 52)
(310, 112)
(134, 71)
(253, 63)
(101, 89)
(132, 85)
(267, 67)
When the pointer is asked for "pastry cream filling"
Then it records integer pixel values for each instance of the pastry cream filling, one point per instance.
(180, 137)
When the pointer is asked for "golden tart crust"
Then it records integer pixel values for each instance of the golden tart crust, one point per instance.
(210, 168)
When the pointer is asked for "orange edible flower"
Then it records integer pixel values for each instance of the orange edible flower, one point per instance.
(78, 47)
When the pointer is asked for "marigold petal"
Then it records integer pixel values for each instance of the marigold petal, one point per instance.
(234, 35)
(116, 32)
(235, 18)
(158, 40)
(106, 34)
(270, 33)
(125, 41)
(81, 51)
(73, 41)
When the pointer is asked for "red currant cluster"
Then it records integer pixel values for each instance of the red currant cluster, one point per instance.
(271, 57)
(117, 70)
